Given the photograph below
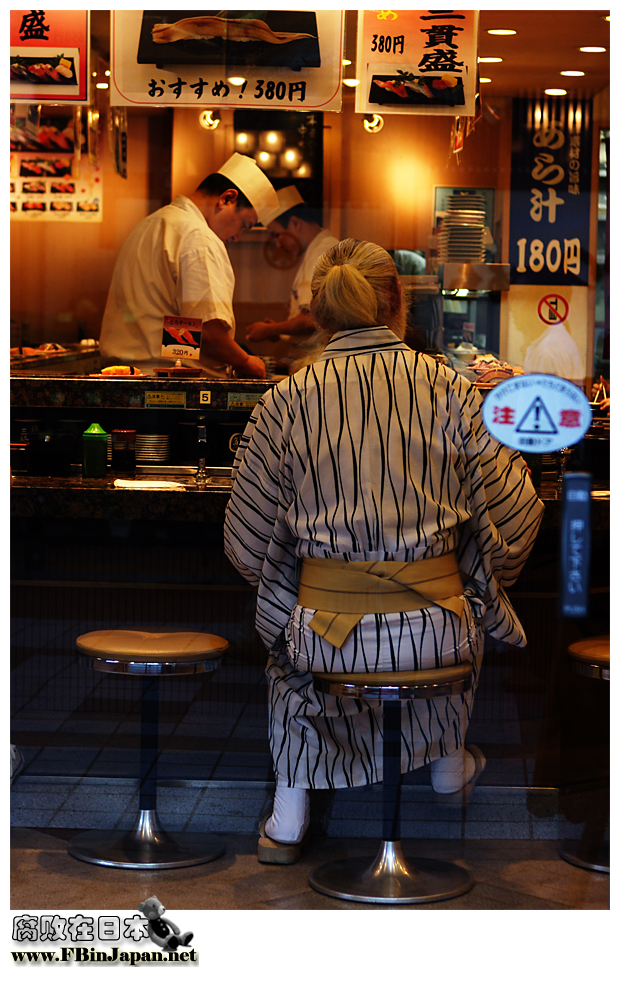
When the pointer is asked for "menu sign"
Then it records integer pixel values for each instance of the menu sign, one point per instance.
(50, 56)
(284, 60)
(550, 188)
(43, 187)
(417, 61)
(181, 337)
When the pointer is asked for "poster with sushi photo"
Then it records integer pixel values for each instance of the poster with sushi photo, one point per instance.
(417, 62)
(273, 59)
(49, 56)
(43, 188)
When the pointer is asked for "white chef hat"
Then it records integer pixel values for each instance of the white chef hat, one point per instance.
(287, 199)
(254, 184)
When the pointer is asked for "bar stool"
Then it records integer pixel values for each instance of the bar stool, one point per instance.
(150, 655)
(390, 878)
(589, 658)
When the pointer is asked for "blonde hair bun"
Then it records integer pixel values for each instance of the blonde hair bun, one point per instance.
(353, 286)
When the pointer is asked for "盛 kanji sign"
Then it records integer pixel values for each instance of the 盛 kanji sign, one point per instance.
(417, 62)
(537, 413)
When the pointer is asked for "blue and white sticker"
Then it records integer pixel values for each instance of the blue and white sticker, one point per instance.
(537, 413)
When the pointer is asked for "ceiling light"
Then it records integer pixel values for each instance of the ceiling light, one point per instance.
(373, 123)
(303, 172)
(490, 60)
(501, 31)
(592, 48)
(291, 158)
(346, 61)
(101, 86)
(572, 72)
(555, 92)
(265, 159)
(244, 142)
(209, 119)
(485, 79)
(351, 82)
(236, 80)
(271, 140)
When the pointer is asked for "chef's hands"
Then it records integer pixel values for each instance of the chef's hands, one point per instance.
(252, 367)
(266, 329)
(296, 326)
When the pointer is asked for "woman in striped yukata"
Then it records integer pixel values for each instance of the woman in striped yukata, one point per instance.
(372, 464)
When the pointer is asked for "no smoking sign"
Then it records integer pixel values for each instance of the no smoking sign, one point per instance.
(537, 413)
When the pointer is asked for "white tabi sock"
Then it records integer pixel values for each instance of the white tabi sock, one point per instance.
(451, 773)
(290, 816)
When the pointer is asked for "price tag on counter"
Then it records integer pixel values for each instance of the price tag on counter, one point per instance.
(537, 413)
(171, 400)
(243, 400)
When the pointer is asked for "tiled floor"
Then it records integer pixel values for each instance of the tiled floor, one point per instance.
(509, 875)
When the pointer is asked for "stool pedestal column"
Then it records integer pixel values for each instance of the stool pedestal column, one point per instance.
(147, 846)
(390, 878)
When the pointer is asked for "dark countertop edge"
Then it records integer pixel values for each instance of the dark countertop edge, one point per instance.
(94, 393)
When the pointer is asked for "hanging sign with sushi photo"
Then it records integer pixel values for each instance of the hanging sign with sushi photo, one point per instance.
(49, 56)
(267, 59)
(417, 61)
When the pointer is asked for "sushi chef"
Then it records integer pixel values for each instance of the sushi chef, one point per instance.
(295, 227)
(175, 263)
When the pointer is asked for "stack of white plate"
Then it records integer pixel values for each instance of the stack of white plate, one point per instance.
(461, 238)
(152, 448)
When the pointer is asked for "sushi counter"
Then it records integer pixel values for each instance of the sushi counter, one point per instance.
(86, 554)
(166, 410)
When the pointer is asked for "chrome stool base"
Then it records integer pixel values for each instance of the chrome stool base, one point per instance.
(146, 847)
(390, 878)
(589, 856)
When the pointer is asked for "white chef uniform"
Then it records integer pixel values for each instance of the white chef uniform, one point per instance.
(172, 264)
(301, 294)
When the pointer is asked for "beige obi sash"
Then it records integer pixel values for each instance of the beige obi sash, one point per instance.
(344, 591)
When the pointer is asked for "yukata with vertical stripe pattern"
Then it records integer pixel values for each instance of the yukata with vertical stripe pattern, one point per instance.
(374, 452)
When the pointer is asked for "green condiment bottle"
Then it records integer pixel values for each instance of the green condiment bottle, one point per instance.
(94, 452)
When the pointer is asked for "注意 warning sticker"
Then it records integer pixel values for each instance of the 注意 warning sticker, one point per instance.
(537, 413)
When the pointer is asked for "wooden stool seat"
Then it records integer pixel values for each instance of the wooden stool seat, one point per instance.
(590, 657)
(402, 685)
(390, 878)
(150, 654)
(138, 651)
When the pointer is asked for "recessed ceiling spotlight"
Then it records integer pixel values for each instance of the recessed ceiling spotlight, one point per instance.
(503, 30)
(572, 72)
(555, 92)
(490, 60)
(485, 80)
(351, 82)
(592, 48)
(346, 61)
